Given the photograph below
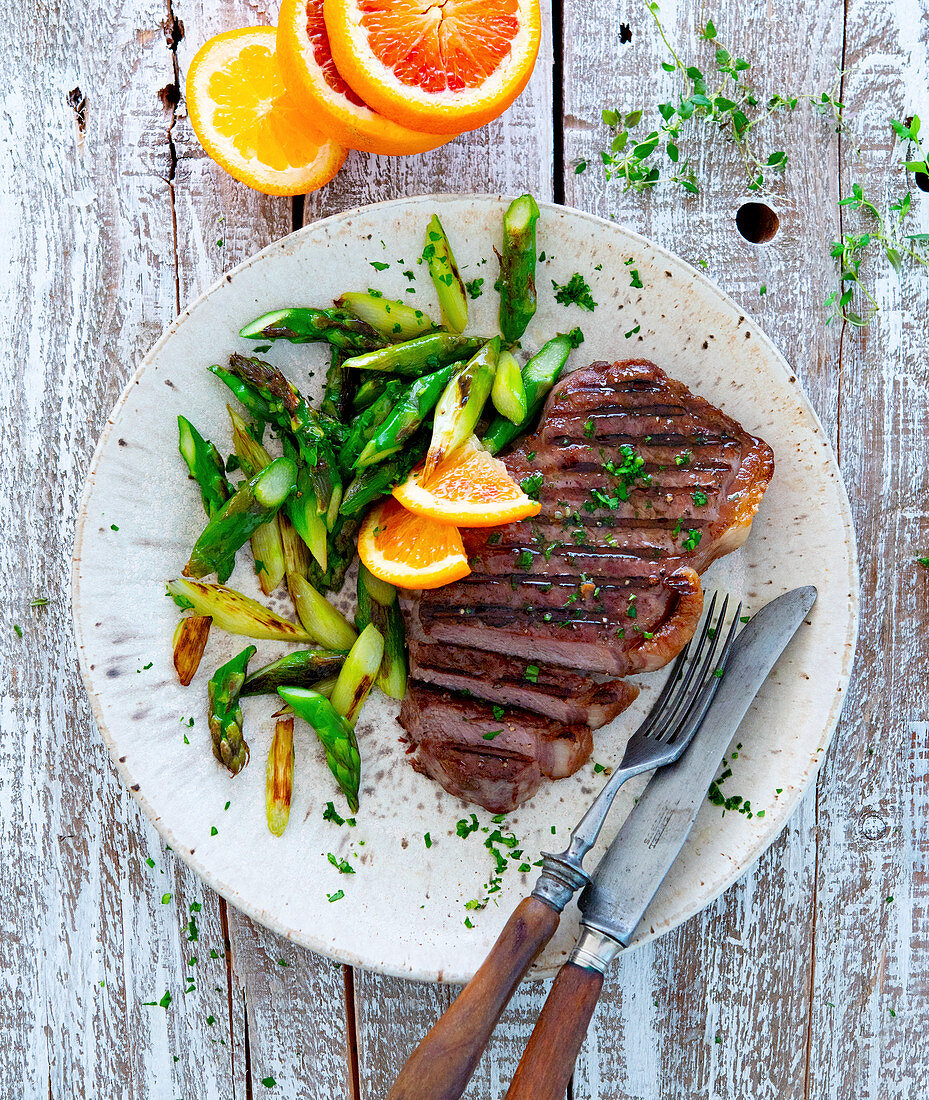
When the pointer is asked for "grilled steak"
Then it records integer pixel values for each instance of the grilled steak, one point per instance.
(496, 762)
(554, 692)
(642, 485)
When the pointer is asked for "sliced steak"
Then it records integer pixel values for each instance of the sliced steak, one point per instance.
(497, 763)
(642, 485)
(508, 681)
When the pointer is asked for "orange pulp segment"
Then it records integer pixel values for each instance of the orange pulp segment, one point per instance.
(409, 551)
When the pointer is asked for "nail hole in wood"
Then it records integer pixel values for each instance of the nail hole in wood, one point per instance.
(922, 181)
(757, 222)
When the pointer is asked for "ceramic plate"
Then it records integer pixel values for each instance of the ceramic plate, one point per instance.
(403, 910)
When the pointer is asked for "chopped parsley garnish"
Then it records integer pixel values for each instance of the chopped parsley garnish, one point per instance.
(491, 734)
(575, 292)
(498, 712)
(39, 601)
(341, 865)
(113, 527)
(465, 827)
(581, 166)
(924, 562)
(213, 830)
(17, 630)
(589, 428)
(331, 814)
(427, 840)
(635, 281)
(632, 611)
(532, 484)
(683, 459)
(165, 898)
(693, 540)
(576, 337)
(473, 287)
(632, 331)
(532, 673)
(494, 538)
(378, 265)
(524, 560)
(628, 470)
(337, 896)
(699, 497)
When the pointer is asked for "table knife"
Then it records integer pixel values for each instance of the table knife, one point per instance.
(643, 851)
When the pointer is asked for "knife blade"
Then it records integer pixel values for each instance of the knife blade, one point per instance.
(640, 856)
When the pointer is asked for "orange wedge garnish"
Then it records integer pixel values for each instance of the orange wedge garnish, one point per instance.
(311, 74)
(249, 123)
(469, 488)
(443, 67)
(409, 551)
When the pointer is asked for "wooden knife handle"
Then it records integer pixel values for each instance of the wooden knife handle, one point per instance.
(545, 1068)
(441, 1066)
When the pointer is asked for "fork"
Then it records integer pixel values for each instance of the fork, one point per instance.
(441, 1066)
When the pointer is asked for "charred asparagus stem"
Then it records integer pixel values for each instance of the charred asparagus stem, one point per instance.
(267, 547)
(234, 612)
(205, 466)
(325, 623)
(279, 776)
(225, 719)
(406, 416)
(394, 320)
(253, 503)
(296, 553)
(509, 392)
(306, 326)
(517, 268)
(449, 285)
(377, 604)
(539, 375)
(305, 668)
(358, 674)
(419, 356)
(370, 390)
(461, 404)
(189, 643)
(337, 737)
(270, 397)
(374, 482)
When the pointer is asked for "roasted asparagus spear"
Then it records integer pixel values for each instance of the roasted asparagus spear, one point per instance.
(225, 718)
(189, 643)
(306, 326)
(337, 737)
(461, 404)
(517, 268)
(406, 415)
(358, 673)
(377, 604)
(255, 502)
(394, 320)
(305, 668)
(449, 285)
(419, 356)
(234, 612)
(509, 392)
(205, 466)
(279, 775)
(539, 375)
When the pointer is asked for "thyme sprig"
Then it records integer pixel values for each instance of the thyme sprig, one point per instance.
(852, 302)
(722, 97)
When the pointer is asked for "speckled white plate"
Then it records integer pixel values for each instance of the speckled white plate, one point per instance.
(403, 910)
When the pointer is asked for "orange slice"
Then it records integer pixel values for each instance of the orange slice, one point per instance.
(249, 123)
(440, 67)
(409, 551)
(310, 73)
(470, 488)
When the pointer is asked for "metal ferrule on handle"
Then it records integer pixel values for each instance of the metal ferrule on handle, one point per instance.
(595, 950)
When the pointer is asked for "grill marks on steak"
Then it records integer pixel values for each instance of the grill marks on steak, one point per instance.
(498, 771)
(642, 485)
(553, 692)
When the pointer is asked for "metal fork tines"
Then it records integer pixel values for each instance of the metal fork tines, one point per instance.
(661, 739)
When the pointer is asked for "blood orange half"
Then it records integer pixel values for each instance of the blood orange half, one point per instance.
(311, 75)
(442, 68)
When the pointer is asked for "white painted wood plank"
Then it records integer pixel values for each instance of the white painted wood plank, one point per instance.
(870, 1013)
(719, 1008)
(88, 281)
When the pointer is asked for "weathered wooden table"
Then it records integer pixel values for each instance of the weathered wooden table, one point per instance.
(807, 979)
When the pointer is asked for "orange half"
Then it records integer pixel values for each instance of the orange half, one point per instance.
(469, 488)
(311, 74)
(409, 551)
(440, 67)
(249, 123)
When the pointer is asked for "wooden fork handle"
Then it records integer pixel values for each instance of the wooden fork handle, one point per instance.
(441, 1066)
(545, 1068)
